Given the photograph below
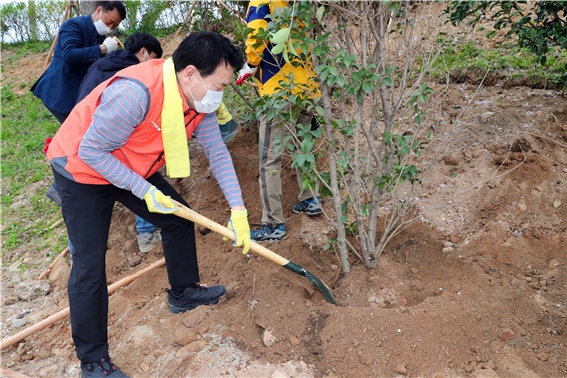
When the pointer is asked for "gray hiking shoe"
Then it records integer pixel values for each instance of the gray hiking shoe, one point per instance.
(193, 296)
(311, 206)
(266, 233)
(148, 240)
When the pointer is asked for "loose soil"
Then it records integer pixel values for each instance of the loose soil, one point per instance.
(477, 288)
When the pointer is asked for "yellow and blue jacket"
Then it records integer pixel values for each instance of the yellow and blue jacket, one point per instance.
(273, 68)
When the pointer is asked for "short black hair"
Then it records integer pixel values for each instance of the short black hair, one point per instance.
(206, 51)
(136, 41)
(111, 5)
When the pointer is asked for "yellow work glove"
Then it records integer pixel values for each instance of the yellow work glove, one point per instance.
(238, 224)
(158, 202)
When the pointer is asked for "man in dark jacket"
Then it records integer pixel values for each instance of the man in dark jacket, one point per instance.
(80, 42)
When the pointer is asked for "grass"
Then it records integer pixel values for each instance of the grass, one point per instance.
(505, 60)
(26, 175)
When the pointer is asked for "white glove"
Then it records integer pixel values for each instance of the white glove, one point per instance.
(245, 73)
(111, 45)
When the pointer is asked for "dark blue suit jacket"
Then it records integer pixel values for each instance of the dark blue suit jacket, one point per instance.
(76, 49)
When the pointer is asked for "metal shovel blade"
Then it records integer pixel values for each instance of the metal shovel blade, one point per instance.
(186, 213)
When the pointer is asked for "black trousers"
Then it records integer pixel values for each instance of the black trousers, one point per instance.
(87, 211)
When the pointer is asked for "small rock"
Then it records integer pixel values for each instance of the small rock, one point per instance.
(534, 285)
(145, 367)
(21, 349)
(50, 371)
(448, 244)
(279, 374)
(516, 283)
(448, 249)
(413, 270)
(28, 291)
(536, 233)
(19, 323)
(42, 354)
(401, 369)
(507, 334)
(453, 158)
(195, 346)
(134, 261)
(294, 341)
(455, 239)
(195, 317)
(230, 294)
(11, 299)
(184, 337)
(556, 204)
(542, 357)
(309, 291)
(268, 338)
(365, 360)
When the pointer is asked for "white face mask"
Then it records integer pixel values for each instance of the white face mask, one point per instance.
(101, 28)
(210, 102)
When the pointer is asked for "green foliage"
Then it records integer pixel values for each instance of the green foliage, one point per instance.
(536, 24)
(25, 125)
(20, 23)
(504, 60)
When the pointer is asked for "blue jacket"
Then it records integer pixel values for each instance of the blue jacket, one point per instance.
(76, 49)
(104, 69)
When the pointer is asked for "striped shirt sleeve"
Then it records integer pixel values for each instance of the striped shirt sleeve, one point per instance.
(209, 137)
(123, 106)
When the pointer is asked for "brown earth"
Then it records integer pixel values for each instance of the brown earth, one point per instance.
(476, 289)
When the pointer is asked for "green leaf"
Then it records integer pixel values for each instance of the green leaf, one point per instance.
(292, 48)
(277, 48)
(281, 36)
(320, 12)
(394, 6)
(367, 86)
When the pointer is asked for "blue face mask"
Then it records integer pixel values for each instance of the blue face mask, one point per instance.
(210, 102)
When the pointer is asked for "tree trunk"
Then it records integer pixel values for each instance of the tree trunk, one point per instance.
(87, 8)
(32, 17)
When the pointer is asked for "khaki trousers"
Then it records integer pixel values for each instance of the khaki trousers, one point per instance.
(271, 159)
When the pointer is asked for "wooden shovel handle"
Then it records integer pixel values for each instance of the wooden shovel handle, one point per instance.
(193, 216)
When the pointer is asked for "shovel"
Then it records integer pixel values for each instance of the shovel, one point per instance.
(186, 213)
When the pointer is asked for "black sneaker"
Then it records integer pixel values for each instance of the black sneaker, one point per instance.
(311, 206)
(53, 195)
(101, 368)
(266, 233)
(193, 297)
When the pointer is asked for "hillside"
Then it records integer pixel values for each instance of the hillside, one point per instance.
(476, 289)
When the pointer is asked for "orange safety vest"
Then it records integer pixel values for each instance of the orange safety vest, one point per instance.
(143, 152)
